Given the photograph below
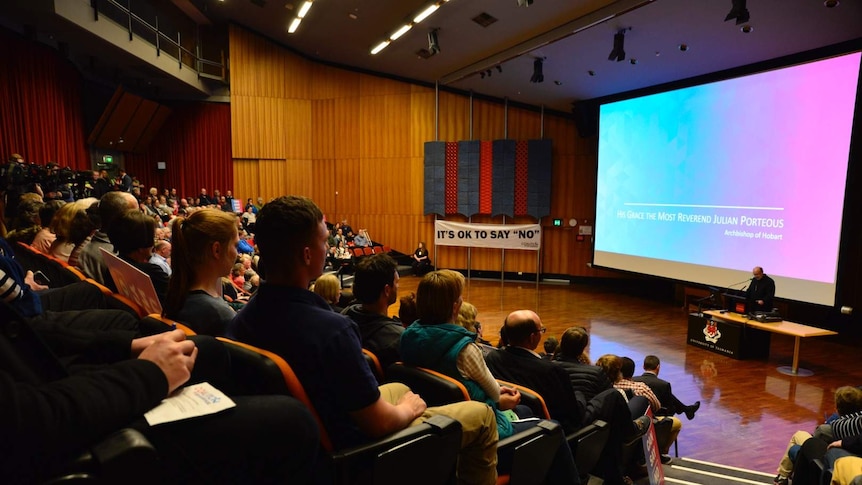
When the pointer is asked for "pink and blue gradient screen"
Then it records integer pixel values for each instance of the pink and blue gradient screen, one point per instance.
(735, 174)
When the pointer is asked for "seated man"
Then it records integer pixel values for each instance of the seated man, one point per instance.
(361, 240)
(375, 285)
(519, 363)
(324, 348)
(671, 404)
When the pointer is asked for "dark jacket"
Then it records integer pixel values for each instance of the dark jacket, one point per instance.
(380, 334)
(588, 379)
(519, 366)
(47, 414)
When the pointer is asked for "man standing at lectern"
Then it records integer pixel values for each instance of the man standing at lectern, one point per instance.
(760, 292)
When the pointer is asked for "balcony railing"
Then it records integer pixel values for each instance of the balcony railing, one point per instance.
(168, 43)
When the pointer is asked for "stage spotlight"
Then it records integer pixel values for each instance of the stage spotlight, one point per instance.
(525, 3)
(537, 76)
(482, 74)
(618, 53)
(738, 12)
(433, 43)
(499, 68)
(488, 72)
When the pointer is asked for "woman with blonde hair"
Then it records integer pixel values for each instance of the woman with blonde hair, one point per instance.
(467, 319)
(72, 226)
(329, 288)
(204, 251)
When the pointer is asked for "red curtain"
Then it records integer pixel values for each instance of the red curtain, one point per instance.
(40, 105)
(195, 145)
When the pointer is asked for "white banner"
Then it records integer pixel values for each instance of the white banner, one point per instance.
(505, 236)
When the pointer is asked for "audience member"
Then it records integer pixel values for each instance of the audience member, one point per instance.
(550, 345)
(436, 342)
(662, 389)
(161, 255)
(53, 415)
(518, 362)
(626, 383)
(421, 260)
(329, 288)
(848, 405)
(204, 251)
(361, 240)
(72, 226)
(324, 348)
(125, 180)
(467, 319)
(407, 309)
(571, 355)
(45, 237)
(107, 210)
(26, 224)
(132, 235)
(375, 286)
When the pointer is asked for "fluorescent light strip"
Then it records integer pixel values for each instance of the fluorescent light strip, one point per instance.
(294, 25)
(380, 47)
(403, 30)
(425, 13)
(304, 9)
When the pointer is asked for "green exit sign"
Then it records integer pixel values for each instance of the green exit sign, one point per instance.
(558, 222)
(107, 159)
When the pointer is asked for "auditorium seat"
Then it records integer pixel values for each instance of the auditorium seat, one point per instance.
(374, 364)
(58, 272)
(167, 323)
(533, 449)
(126, 457)
(426, 453)
(367, 251)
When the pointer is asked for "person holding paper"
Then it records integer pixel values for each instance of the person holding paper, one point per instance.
(53, 413)
(760, 292)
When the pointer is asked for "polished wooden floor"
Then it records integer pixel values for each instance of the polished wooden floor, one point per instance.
(748, 409)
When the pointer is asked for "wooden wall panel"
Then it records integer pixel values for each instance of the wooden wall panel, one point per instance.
(346, 128)
(323, 116)
(297, 76)
(347, 200)
(319, 131)
(488, 121)
(454, 118)
(297, 178)
(330, 82)
(384, 131)
(381, 86)
(524, 125)
(296, 131)
(421, 120)
(382, 186)
(272, 174)
(323, 185)
(246, 181)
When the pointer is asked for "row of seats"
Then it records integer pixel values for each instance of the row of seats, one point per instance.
(429, 452)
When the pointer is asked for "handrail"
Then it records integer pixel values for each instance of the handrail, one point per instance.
(163, 40)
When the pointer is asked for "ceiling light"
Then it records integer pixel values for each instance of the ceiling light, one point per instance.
(304, 9)
(618, 53)
(525, 3)
(294, 25)
(425, 13)
(499, 68)
(379, 47)
(738, 12)
(398, 33)
(831, 3)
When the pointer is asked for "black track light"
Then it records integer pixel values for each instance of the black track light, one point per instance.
(618, 53)
(433, 43)
(499, 68)
(738, 12)
(537, 76)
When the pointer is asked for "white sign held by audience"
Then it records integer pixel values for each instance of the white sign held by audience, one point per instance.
(503, 236)
(132, 283)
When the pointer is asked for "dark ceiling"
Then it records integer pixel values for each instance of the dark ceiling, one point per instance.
(573, 37)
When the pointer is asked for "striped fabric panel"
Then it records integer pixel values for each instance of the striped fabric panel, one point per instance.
(503, 185)
(521, 172)
(468, 177)
(435, 177)
(451, 193)
(486, 178)
(539, 172)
